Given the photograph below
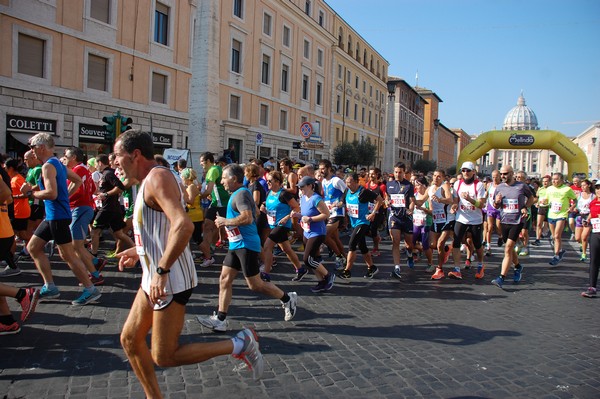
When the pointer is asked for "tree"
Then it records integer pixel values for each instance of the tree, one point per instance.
(344, 154)
(365, 153)
(451, 171)
(425, 166)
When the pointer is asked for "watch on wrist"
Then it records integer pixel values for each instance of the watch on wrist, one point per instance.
(161, 271)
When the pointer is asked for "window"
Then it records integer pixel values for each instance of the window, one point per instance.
(31, 56)
(161, 24)
(234, 107)
(238, 8)
(319, 90)
(320, 57)
(303, 119)
(356, 83)
(370, 91)
(321, 17)
(100, 10)
(266, 70)
(369, 118)
(362, 115)
(355, 112)
(338, 103)
(306, 49)
(264, 115)
(286, 36)
(285, 72)
(283, 115)
(339, 71)
(364, 86)
(97, 72)
(159, 88)
(347, 108)
(349, 77)
(307, 7)
(305, 87)
(236, 51)
(267, 24)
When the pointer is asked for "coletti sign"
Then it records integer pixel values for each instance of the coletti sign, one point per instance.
(521, 139)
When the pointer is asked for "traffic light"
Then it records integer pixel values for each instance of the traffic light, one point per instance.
(125, 122)
(111, 128)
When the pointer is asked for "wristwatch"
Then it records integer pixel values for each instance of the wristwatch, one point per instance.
(161, 271)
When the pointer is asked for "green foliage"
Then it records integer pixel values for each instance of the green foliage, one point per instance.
(451, 171)
(425, 166)
(356, 153)
(345, 154)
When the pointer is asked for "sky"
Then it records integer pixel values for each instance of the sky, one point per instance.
(478, 55)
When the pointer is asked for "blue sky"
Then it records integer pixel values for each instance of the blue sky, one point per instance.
(477, 56)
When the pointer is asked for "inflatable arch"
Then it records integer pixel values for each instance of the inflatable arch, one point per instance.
(526, 140)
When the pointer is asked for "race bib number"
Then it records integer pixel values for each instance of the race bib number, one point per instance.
(439, 216)
(126, 202)
(556, 206)
(419, 218)
(595, 225)
(398, 200)
(271, 217)
(510, 205)
(233, 233)
(466, 206)
(371, 207)
(97, 201)
(352, 210)
(137, 237)
(305, 226)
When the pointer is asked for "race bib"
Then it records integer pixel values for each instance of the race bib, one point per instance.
(126, 202)
(305, 226)
(352, 210)
(97, 201)
(439, 216)
(271, 217)
(556, 206)
(419, 218)
(595, 225)
(466, 206)
(137, 237)
(398, 200)
(510, 205)
(233, 233)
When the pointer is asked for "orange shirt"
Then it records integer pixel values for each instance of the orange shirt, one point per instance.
(5, 226)
(22, 209)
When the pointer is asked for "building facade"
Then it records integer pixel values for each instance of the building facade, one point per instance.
(68, 64)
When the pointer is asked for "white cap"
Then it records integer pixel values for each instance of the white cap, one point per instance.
(468, 165)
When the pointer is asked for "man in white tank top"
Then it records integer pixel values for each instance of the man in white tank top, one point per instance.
(162, 232)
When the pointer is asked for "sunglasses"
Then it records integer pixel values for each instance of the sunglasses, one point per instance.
(271, 180)
(504, 174)
(466, 170)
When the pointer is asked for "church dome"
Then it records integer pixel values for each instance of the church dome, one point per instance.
(520, 117)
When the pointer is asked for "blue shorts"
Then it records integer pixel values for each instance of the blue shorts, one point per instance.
(553, 221)
(82, 216)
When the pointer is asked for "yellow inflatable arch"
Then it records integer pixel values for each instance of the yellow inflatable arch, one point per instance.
(527, 140)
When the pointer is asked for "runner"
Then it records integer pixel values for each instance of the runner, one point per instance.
(333, 189)
(561, 199)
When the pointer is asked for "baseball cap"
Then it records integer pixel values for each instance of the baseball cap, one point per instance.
(468, 165)
(92, 162)
(305, 181)
(221, 159)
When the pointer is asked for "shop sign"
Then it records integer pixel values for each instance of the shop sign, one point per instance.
(162, 140)
(93, 132)
(25, 124)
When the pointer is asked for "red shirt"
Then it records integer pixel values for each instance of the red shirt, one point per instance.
(595, 208)
(83, 195)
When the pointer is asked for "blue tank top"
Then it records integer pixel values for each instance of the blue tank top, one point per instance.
(245, 236)
(277, 210)
(57, 209)
(308, 207)
(357, 211)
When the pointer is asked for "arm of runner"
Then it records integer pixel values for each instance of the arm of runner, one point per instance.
(74, 181)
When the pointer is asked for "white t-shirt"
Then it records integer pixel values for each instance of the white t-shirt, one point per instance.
(467, 213)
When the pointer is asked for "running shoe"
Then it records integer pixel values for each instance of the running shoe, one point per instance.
(9, 272)
(463, 248)
(95, 280)
(524, 252)
(480, 271)
(375, 252)
(344, 274)
(500, 242)
(561, 254)
(430, 268)
(518, 274)
(87, 297)
(371, 272)
(300, 273)
(554, 261)
(250, 353)
(498, 282)
(410, 262)
(265, 277)
(289, 307)
(329, 282)
(584, 259)
(277, 251)
(396, 273)
(467, 264)
(7, 329)
(208, 262)
(50, 248)
(320, 287)
(455, 274)
(589, 293)
(28, 303)
(214, 323)
(536, 243)
(438, 275)
(47, 293)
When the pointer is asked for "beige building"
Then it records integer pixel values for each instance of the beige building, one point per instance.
(65, 65)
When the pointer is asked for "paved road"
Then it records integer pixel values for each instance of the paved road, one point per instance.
(368, 339)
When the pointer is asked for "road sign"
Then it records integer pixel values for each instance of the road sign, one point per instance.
(259, 139)
(305, 152)
(296, 145)
(311, 146)
(306, 130)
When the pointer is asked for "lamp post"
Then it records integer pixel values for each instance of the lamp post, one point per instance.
(594, 160)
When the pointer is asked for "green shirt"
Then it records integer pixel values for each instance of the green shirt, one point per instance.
(559, 201)
(33, 176)
(219, 196)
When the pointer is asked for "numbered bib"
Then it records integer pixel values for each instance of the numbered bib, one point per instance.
(352, 210)
(595, 225)
(466, 206)
(233, 233)
(398, 200)
(97, 201)
(510, 205)
(137, 237)
(271, 217)
(439, 216)
(126, 202)
(305, 226)
(556, 206)
(419, 217)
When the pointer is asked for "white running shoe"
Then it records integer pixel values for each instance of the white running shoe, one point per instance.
(290, 306)
(214, 323)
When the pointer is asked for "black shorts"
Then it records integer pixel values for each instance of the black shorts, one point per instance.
(57, 230)
(181, 298)
(106, 219)
(212, 212)
(543, 212)
(19, 224)
(336, 219)
(261, 222)
(375, 224)
(404, 224)
(243, 259)
(461, 230)
(38, 211)
(357, 239)
(279, 234)
(511, 231)
(446, 226)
